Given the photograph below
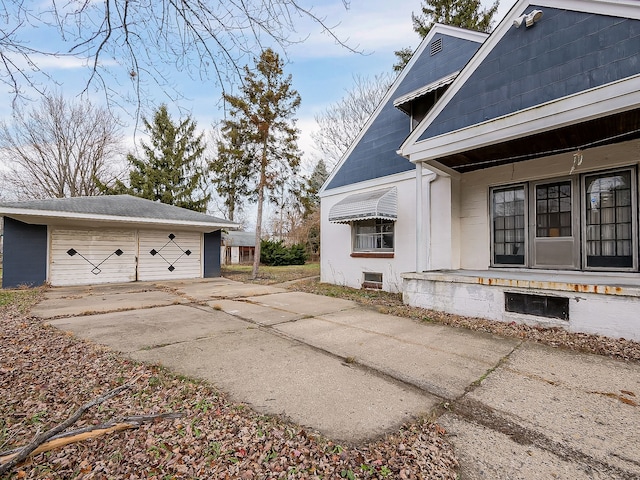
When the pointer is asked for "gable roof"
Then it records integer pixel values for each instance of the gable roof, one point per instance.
(112, 209)
(579, 62)
(373, 153)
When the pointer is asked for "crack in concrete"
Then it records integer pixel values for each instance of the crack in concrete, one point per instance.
(483, 415)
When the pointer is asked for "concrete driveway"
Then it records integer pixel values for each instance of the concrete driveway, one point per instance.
(513, 409)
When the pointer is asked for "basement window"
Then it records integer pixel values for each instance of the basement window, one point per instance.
(372, 280)
(538, 305)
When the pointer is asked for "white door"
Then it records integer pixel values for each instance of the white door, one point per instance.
(170, 254)
(83, 257)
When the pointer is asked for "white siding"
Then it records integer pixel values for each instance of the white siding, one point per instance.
(164, 258)
(82, 257)
(339, 267)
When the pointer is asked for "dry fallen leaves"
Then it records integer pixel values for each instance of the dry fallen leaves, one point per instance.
(46, 374)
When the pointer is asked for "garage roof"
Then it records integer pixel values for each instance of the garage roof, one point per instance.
(111, 209)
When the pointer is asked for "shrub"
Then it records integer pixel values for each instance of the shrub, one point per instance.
(276, 253)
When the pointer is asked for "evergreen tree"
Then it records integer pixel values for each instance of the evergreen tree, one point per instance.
(467, 14)
(170, 169)
(310, 199)
(231, 169)
(263, 117)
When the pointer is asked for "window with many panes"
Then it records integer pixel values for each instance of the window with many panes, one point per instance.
(553, 209)
(609, 220)
(508, 215)
(602, 225)
(375, 235)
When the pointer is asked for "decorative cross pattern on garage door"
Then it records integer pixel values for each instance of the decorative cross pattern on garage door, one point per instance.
(96, 267)
(172, 240)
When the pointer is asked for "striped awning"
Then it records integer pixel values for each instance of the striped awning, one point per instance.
(403, 101)
(381, 204)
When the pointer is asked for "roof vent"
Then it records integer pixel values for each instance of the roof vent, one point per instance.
(436, 46)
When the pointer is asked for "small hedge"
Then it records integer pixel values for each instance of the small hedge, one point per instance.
(276, 253)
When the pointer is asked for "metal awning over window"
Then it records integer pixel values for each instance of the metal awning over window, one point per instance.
(381, 203)
(403, 102)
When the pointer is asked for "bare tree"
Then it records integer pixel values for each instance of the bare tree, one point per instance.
(341, 122)
(126, 44)
(59, 149)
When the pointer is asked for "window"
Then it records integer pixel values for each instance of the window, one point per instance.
(508, 214)
(553, 209)
(588, 222)
(372, 280)
(374, 235)
(609, 220)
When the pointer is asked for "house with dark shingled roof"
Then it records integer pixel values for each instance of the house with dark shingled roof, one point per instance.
(525, 198)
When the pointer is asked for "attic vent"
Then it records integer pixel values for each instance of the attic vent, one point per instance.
(436, 46)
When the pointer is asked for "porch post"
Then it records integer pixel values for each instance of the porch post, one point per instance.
(420, 241)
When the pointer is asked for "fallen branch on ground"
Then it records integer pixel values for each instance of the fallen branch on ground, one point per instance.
(92, 431)
(10, 461)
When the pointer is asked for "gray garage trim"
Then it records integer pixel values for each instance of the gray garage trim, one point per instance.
(25, 254)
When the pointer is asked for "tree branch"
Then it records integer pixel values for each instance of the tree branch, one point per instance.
(28, 450)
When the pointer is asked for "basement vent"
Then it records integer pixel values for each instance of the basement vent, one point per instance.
(372, 280)
(538, 305)
(436, 46)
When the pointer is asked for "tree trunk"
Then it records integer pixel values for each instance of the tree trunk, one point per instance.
(261, 186)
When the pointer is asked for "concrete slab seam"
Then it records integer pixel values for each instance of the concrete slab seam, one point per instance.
(476, 412)
(409, 342)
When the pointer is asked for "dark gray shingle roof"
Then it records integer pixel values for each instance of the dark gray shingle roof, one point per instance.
(116, 205)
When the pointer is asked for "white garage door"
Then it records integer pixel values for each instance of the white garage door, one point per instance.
(167, 255)
(83, 257)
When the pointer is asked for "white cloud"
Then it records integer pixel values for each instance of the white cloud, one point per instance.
(367, 26)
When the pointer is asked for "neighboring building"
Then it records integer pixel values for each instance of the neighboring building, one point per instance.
(538, 139)
(367, 232)
(525, 192)
(104, 239)
(238, 247)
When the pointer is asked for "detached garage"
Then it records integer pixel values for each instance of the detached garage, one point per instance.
(108, 239)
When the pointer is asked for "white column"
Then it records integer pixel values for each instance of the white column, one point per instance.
(420, 241)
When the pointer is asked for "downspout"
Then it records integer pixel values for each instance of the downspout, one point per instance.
(423, 233)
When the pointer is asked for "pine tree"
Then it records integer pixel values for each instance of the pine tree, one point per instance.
(263, 117)
(467, 14)
(170, 168)
(231, 169)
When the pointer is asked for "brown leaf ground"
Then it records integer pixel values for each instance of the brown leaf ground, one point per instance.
(45, 375)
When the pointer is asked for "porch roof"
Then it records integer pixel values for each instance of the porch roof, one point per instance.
(382, 204)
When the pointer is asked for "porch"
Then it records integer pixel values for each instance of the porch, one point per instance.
(605, 303)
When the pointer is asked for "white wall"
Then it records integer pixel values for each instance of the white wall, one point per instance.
(612, 315)
(475, 253)
(336, 264)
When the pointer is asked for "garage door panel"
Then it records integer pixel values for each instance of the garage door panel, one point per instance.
(83, 257)
(169, 255)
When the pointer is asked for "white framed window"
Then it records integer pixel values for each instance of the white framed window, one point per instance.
(374, 235)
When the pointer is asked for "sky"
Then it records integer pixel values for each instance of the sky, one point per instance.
(322, 71)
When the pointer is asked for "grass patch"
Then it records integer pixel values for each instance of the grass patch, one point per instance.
(22, 299)
(268, 275)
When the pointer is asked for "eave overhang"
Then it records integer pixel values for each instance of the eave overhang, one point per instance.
(86, 220)
(599, 116)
